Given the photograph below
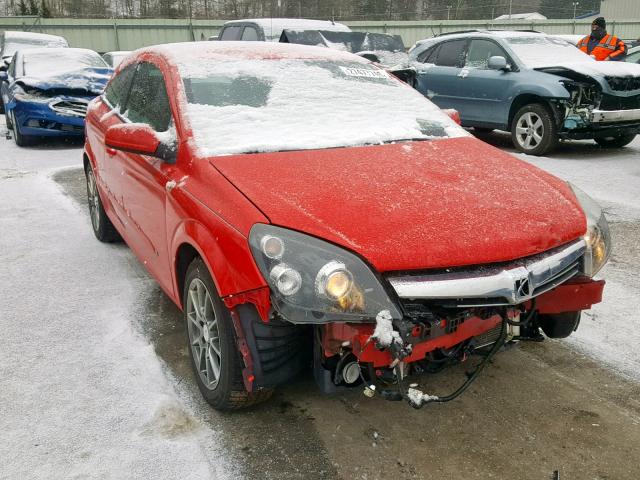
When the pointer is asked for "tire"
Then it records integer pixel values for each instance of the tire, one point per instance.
(20, 139)
(559, 325)
(618, 141)
(533, 130)
(103, 229)
(211, 341)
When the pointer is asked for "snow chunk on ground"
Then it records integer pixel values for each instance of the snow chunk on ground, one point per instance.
(417, 398)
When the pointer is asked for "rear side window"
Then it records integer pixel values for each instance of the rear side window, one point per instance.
(118, 89)
(451, 54)
(480, 51)
(232, 32)
(148, 102)
(250, 34)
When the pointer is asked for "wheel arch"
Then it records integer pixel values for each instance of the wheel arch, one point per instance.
(527, 99)
(225, 253)
(185, 254)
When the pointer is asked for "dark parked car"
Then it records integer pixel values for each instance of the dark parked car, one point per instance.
(48, 90)
(539, 88)
(381, 48)
(295, 223)
(11, 42)
(270, 29)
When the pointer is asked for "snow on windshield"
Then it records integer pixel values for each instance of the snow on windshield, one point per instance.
(48, 63)
(540, 51)
(293, 104)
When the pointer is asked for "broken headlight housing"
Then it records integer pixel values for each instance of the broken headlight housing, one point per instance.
(313, 281)
(597, 238)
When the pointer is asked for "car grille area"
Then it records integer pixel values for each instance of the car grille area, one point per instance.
(615, 102)
(623, 84)
(74, 108)
(510, 283)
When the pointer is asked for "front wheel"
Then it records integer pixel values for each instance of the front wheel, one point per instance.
(617, 141)
(211, 340)
(533, 130)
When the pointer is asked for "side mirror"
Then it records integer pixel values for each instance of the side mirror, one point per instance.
(497, 63)
(139, 138)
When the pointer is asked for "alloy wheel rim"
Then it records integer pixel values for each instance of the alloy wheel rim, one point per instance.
(529, 130)
(204, 336)
(92, 193)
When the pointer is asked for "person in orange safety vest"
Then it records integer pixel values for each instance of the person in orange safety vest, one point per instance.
(600, 45)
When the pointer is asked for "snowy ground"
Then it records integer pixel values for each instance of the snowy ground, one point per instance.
(95, 383)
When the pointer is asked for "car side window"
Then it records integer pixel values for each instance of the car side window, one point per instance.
(118, 89)
(480, 51)
(250, 34)
(148, 102)
(429, 55)
(231, 32)
(451, 54)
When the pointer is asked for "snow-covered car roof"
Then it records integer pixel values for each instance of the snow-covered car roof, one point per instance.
(273, 27)
(185, 52)
(39, 37)
(14, 41)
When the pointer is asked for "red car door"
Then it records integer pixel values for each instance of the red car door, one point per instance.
(140, 180)
(102, 115)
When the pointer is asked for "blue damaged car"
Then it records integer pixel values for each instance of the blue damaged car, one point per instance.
(539, 88)
(49, 89)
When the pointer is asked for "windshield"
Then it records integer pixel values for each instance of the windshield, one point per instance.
(15, 44)
(273, 105)
(48, 64)
(534, 51)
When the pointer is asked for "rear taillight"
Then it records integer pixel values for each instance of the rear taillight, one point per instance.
(453, 114)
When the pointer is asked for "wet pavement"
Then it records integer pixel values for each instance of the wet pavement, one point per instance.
(539, 408)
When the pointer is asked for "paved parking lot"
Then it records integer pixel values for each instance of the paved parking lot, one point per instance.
(95, 379)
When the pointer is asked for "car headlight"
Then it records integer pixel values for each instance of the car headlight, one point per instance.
(598, 238)
(313, 281)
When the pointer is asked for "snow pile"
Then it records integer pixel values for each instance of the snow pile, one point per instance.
(302, 104)
(384, 334)
(417, 398)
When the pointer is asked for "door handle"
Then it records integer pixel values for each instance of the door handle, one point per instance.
(111, 151)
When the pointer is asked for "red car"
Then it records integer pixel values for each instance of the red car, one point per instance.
(303, 207)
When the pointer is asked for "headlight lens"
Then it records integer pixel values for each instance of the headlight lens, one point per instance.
(314, 281)
(598, 238)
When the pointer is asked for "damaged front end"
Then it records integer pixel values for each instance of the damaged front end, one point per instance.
(597, 106)
(54, 107)
(376, 331)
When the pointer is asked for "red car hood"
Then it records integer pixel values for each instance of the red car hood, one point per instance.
(417, 205)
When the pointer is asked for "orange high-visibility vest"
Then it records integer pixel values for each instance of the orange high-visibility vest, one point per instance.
(609, 47)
